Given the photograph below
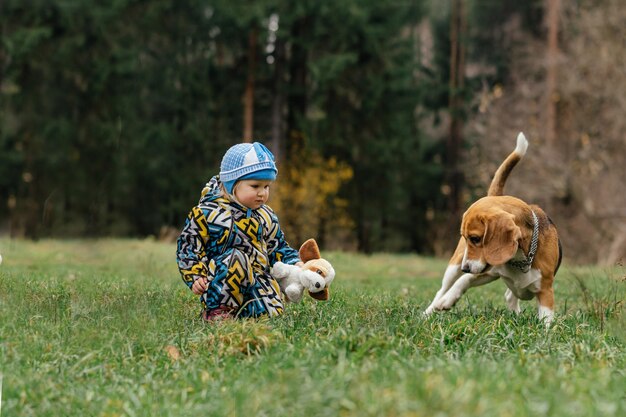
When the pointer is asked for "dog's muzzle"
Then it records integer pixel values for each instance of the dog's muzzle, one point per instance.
(470, 268)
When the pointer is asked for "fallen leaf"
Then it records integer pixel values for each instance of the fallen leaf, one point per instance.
(172, 352)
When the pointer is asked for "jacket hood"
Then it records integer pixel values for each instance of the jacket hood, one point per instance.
(211, 190)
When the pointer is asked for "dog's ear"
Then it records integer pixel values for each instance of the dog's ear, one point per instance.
(501, 239)
(320, 296)
(309, 250)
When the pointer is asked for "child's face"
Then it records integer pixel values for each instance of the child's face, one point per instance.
(253, 193)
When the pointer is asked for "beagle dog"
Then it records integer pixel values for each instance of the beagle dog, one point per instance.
(503, 237)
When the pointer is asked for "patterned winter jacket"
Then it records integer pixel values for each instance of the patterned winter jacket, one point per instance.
(217, 224)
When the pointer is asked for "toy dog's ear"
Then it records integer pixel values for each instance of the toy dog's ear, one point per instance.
(309, 250)
(320, 296)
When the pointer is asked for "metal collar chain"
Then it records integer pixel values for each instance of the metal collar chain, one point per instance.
(524, 265)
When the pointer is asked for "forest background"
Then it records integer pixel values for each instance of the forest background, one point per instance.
(387, 118)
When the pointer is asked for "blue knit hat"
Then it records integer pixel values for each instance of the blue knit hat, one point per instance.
(247, 161)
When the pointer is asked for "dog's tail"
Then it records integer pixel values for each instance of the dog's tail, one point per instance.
(499, 179)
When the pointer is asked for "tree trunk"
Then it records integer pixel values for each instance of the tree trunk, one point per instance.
(278, 100)
(456, 84)
(297, 97)
(30, 204)
(248, 99)
(363, 232)
(552, 22)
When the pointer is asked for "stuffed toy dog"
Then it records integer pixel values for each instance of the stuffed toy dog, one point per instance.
(315, 275)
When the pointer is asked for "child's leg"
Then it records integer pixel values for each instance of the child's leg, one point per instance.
(263, 297)
(231, 273)
(234, 286)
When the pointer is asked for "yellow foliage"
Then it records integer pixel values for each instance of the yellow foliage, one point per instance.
(306, 200)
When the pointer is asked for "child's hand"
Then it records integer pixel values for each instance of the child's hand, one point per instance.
(200, 285)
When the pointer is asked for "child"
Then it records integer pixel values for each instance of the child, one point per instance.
(231, 239)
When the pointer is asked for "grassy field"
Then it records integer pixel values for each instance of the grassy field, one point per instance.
(107, 328)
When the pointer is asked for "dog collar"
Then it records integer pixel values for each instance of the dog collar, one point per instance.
(524, 265)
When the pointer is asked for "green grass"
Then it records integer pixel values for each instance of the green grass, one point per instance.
(107, 328)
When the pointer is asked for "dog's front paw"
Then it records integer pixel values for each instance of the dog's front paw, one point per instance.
(446, 302)
(440, 304)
